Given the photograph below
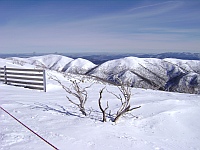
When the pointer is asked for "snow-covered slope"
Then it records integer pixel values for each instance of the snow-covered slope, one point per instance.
(54, 62)
(188, 65)
(51, 61)
(164, 74)
(15, 63)
(78, 66)
(57, 63)
(165, 121)
(114, 67)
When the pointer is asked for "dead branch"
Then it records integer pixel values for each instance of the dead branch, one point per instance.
(100, 105)
(77, 91)
(124, 99)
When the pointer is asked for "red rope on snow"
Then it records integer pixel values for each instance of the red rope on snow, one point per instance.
(30, 129)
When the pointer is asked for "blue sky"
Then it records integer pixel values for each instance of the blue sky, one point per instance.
(73, 26)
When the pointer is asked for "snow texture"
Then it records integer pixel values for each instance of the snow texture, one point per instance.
(165, 121)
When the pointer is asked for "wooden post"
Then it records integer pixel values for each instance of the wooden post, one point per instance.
(44, 80)
(5, 77)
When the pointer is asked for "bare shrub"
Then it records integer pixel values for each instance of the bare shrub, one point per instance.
(78, 92)
(124, 98)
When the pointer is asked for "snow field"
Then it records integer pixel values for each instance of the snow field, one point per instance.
(166, 121)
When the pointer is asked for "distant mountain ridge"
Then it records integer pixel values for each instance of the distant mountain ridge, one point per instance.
(99, 58)
(57, 63)
(164, 74)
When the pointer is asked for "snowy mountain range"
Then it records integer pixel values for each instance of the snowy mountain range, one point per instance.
(165, 120)
(164, 74)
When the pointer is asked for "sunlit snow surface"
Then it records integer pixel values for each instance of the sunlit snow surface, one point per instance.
(165, 121)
